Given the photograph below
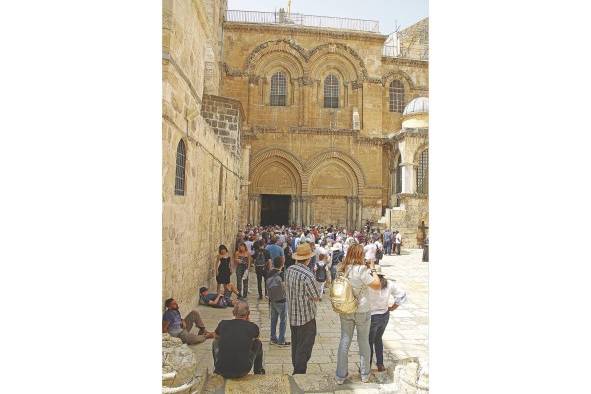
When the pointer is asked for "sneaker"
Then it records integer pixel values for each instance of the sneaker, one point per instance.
(273, 342)
(341, 380)
(365, 379)
(261, 372)
(381, 368)
(283, 344)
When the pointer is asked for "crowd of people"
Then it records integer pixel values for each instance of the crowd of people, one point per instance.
(295, 267)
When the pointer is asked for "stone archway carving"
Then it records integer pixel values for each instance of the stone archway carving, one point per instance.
(398, 74)
(298, 53)
(280, 159)
(347, 160)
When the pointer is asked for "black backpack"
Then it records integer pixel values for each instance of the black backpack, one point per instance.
(321, 273)
(260, 260)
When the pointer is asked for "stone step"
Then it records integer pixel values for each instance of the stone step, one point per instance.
(405, 377)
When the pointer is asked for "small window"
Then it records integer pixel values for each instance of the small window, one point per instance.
(396, 96)
(423, 173)
(278, 90)
(179, 181)
(331, 92)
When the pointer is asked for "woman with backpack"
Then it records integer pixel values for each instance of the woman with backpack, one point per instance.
(262, 262)
(354, 279)
(321, 274)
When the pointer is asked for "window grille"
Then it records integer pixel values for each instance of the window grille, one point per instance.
(331, 92)
(278, 90)
(396, 96)
(179, 181)
(422, 173)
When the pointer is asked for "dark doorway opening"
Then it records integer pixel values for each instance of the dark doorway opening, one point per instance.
(275, 209)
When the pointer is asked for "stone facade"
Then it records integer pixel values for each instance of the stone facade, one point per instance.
(337, 164)
(206, 215)
(343, 165)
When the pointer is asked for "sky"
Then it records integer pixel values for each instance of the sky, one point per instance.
(387, 12)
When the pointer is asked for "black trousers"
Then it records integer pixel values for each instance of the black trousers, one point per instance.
(261, 277)
(302, 342)
(255, 355)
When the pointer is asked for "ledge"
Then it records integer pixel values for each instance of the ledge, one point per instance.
(330, 32)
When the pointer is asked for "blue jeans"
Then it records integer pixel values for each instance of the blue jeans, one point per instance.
(376, 331)
(349, 322)
(278, 310)
(388, 247)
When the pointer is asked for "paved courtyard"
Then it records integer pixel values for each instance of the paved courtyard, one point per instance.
(406, 335)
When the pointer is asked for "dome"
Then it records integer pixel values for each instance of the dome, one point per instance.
(417, 106)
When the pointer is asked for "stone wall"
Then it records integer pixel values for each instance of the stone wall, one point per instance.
(414, 40)
(408, 217)
(303, 129)
(193, 224)
(225, 116)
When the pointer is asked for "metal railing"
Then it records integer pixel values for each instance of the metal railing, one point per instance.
(283, 18)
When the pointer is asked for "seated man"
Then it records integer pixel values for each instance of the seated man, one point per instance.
(237, 348)
(220, 300)
(173, 324)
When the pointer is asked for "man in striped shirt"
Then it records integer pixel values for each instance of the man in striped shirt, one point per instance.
(302, 295)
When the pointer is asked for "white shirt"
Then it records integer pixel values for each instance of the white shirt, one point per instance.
(360, 277)
(249, 246)
(370, 251)
(398, 238)
(379, 299)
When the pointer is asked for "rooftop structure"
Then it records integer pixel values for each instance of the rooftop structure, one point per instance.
(282, 17)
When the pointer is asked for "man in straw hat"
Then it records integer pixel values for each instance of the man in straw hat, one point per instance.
(302, 295)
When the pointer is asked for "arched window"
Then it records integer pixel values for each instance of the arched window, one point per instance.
(423, 173)
(331, 92)
(396, 96)
(179, 180)
(278, 90)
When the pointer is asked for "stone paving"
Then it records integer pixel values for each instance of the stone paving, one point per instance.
(406, 335)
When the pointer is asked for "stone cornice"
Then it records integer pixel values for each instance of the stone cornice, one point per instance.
(254, 131)
(306, 30)
(401, 61)
(408, 132)
(413, 195)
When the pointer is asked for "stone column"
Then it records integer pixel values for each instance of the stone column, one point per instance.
(307, 210)
(408, 181)
(359, 213)
(250, 216)
(292, 210)
(256, 210)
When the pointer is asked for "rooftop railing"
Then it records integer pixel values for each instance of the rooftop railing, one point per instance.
(283, 18)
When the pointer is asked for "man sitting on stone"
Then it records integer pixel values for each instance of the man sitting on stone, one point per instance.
(173, 324)
(220, 300)
(237, 348)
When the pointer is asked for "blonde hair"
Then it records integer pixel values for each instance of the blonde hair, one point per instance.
(354, 257)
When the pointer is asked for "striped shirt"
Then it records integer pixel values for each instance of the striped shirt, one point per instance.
(300, 285)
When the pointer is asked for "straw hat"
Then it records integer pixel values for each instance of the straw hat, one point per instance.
(380, 273)
(303, 252)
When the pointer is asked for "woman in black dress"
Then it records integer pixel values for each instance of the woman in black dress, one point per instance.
(223, 268)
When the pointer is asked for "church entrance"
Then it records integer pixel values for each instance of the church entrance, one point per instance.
(275, 209)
